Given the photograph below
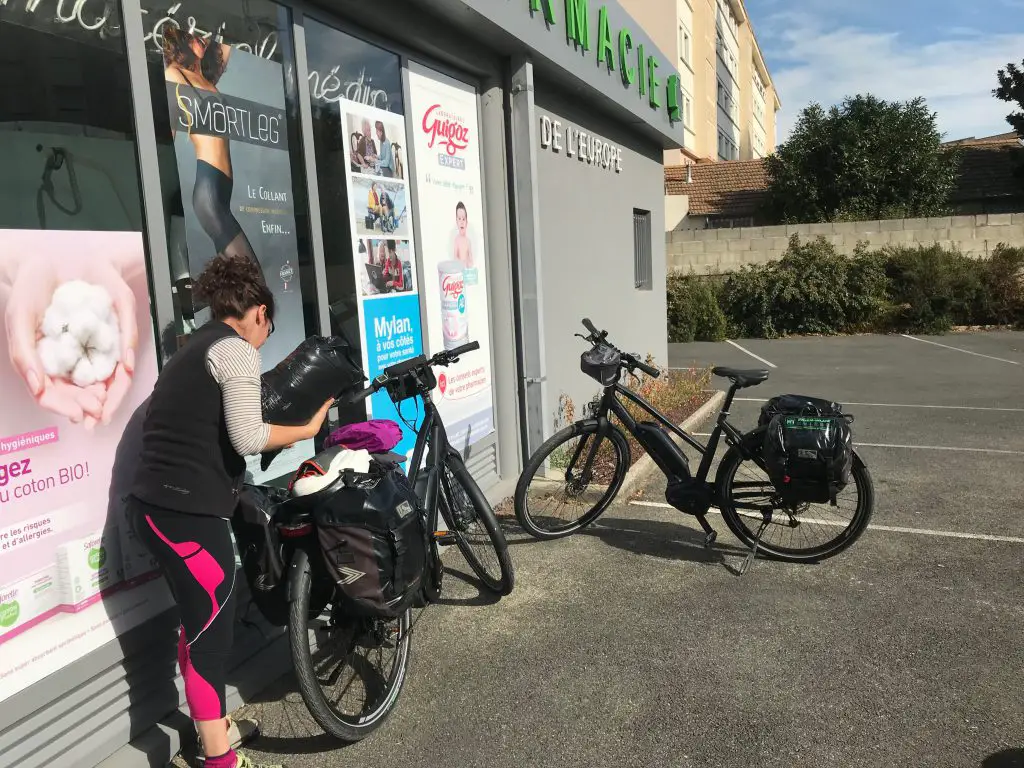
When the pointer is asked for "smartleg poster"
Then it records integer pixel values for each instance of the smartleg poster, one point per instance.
(231, 144)
(77, 360)
(381, 216)
(446, 143)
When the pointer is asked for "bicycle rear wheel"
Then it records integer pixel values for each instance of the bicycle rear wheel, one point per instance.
(469, 516)
(555, 497)
(350, 670)
(812, 532)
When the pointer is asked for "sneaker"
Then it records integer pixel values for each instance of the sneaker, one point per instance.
(245, 762)
(240, 732)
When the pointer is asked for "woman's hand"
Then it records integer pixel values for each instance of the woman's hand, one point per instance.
(317, 422)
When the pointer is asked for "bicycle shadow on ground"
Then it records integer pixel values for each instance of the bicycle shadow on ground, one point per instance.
(464, 590)
(1007, 758)
(667, 540)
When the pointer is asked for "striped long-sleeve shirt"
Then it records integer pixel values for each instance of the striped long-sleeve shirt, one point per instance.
(234, 364)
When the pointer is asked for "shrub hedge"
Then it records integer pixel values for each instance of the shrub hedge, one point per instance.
(814, 289)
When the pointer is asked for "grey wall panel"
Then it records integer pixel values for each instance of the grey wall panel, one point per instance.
(586, 221)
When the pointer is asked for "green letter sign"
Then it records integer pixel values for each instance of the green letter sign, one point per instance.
(672, 90)
(549, 9)
(577, 23)
(653, 84)
(640, 62)
(604, 39)
(625, 45)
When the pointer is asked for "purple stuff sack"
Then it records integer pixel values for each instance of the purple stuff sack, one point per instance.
(374, 436)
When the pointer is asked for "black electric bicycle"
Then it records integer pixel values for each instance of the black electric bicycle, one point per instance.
(350, 670)
(574, 476)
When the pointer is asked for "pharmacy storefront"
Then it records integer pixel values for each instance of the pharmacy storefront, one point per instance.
(409, 175)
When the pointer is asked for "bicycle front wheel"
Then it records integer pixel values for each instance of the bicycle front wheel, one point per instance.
(350, 670)
(753, 510)
(571, 479)
(469, 516)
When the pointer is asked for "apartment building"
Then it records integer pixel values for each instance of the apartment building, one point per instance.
(729, 99)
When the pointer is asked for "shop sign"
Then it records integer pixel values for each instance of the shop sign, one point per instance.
(615, 48)
(573, 142)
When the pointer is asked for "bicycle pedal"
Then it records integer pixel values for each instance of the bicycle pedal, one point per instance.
(710, 539)
(445, 538)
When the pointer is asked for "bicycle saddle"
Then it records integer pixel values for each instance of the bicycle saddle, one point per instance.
(742, 378)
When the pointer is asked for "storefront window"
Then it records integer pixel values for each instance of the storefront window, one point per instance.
(350, 81)
(226, 115)
(77, 350)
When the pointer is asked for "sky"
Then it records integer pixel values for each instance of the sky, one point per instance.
(947, 51)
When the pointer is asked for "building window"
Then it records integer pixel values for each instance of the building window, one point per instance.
(684, 43)
(688, 111)
(643, 266)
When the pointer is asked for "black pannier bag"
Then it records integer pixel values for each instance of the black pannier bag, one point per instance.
(259, 550)
(797, 405)
(294, 389)
(808, 448)
(602, 363)
(319, 368)
(374, 540)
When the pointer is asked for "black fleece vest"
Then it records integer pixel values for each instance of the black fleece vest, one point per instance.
(187, 463)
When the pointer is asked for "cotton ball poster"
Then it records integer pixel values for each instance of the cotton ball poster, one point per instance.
(80, 337)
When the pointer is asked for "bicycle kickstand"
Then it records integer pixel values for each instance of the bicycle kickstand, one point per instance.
(753, 552)
(710, 534)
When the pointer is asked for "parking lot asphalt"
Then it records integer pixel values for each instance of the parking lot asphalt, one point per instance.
(632, 645)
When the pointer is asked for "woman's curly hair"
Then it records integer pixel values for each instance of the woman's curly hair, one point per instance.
(177, 49)
(232, 285)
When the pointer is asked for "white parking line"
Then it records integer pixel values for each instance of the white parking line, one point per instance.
(747, 351)
(858, 444)
(957, 349)
(872, 527)
(902, 405)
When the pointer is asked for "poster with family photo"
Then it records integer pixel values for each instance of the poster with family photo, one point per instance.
(382, 253)
(387, 266)
(380, 207)
(376, 146)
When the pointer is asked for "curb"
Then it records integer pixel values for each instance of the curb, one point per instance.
(639, 471)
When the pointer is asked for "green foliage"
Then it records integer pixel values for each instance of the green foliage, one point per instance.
(1004, 286)
(933, 289)
(812, 290)
(864, 159)
(693, 310)
(815, 290)
(1011, 90)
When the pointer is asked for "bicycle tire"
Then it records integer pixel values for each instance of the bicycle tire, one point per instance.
(865, 509)
(580, 428)
(305, 674)
(503, 586)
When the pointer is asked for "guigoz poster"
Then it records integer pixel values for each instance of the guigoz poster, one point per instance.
(450, 206)
(231, 144)
(380, 213)
(77, 360)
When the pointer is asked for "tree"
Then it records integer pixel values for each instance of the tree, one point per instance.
(1011, 89)
(863, 159)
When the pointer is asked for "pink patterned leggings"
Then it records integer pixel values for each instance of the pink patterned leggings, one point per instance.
(198, 560)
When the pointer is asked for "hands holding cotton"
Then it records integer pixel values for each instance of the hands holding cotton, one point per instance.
(81, 337)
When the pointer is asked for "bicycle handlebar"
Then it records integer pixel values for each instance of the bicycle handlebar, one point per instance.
(394, 372)
(629, 362)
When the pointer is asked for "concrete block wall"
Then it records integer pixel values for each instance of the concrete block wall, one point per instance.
(716, 251)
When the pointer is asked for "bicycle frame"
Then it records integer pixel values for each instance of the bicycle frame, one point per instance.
(431, 433)
(610, 404)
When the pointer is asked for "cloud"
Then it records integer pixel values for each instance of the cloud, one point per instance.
(954, 73)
